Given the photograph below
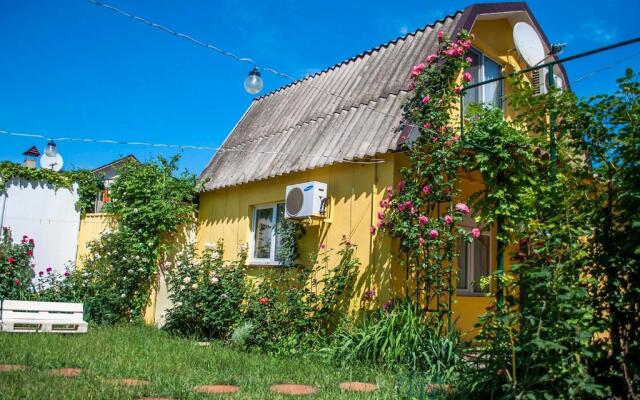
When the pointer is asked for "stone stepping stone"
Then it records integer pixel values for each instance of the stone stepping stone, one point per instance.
(216, 389)
(438, 388)
(293, 390)
(358, 387)
(12, 367)
(129, 382)
(68, 372)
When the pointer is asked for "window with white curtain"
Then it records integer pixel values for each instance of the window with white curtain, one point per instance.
(483, 68)
(265, 241)
(473, 263)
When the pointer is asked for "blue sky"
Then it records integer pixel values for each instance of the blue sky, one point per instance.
(69, 68)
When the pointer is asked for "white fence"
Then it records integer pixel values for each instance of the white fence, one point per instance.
(48, 216)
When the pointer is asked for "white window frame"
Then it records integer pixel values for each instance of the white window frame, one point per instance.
(272, 252)
(471, 278)
(480, 89)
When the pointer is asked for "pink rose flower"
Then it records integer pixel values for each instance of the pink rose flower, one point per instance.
(323, 246)
(66, 274)
(426, 125)
(384, 204)
(433, 234)
(475, 232)
(416, 70)
(467, 77)
(380, 214)
(400, 186)
(431, 58)
(423, 220)
(372, 230)
(380, 224)
(264, 300)
(440, 36)
(455, 138)
(448, 219)
(463, 208)
(426, 189)
(458, 89)
(434, 139)
(401, 207)
(426, 99)
(421, 240)
(469, 60)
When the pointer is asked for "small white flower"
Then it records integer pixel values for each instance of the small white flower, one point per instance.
(178, 303)
(215, 279)
(244, 247)
(137, 257)
(167, 264)
(210, 246)
(223, 296)
(130, 271)
(186, 279)
(194, 286)
(123, 295)
(182, 287)
(135, 210)
(216, 255)
(140, 269)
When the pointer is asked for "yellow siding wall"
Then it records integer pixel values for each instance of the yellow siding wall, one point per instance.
(91, 226)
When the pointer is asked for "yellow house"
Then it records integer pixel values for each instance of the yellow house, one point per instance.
(343, 127)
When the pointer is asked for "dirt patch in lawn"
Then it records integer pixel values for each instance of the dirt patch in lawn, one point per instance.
(216, 389)
(358, 387)
(292, 389)
(68, 372)
(129, 382)
(12, 367)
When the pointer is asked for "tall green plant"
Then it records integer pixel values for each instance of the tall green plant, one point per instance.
(149, 205)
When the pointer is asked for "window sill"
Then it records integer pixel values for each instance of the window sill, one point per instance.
(260, 264)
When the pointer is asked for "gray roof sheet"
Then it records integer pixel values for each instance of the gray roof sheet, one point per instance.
(349, 111)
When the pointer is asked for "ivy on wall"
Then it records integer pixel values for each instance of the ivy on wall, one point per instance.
(89, 183)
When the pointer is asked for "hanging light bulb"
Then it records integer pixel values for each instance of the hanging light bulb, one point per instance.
(51, 150)
(253, 84)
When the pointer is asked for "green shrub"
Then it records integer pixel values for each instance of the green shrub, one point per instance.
(52, 286)
(293, 309)
(16, 268)
(207, 293)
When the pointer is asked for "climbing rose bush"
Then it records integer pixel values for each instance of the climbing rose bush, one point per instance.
(422, 210)
(16, 266)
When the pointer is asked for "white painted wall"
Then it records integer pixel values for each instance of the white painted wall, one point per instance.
(46, 215)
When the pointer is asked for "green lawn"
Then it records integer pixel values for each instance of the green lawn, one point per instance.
(174, 366)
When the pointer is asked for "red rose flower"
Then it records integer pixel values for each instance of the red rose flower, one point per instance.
(11, 260)
(18, 282)
(264, 300)
(29, 253)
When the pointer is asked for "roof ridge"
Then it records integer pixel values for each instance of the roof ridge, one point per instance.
(361, 55)
(316, 119)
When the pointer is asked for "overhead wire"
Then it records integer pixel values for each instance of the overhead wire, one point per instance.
(178, 146)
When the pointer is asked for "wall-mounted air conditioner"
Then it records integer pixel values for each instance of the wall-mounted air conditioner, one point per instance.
(307, 199)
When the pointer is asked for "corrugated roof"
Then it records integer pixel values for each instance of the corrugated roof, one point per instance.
(349, 111)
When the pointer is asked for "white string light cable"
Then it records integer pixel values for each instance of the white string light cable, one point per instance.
(223, 52)
(177, 146)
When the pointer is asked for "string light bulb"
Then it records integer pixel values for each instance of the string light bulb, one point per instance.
(254, 83)
(51, 150)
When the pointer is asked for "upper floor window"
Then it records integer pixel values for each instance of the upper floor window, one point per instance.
(473, 263)
(265, 240)
(483, 68)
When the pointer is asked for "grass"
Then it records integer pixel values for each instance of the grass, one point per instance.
(173, 365)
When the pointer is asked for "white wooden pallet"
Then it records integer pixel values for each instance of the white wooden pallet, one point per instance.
(41, 316)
